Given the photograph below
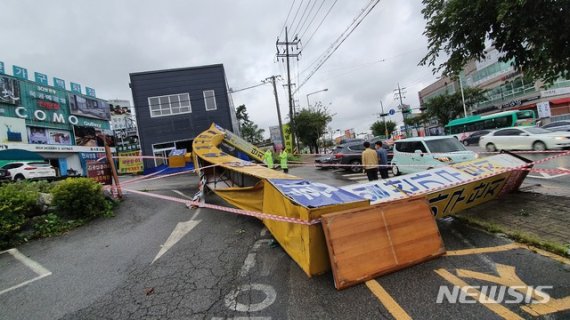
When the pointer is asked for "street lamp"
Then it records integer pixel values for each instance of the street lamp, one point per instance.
(308, 104)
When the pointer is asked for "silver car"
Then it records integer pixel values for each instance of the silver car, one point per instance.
(563, 125)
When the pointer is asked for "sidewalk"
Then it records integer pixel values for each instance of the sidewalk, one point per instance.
(546, 217)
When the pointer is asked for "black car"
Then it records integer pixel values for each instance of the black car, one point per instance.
(326, 162)
(5, 175)
(474, 137)
(349, 155)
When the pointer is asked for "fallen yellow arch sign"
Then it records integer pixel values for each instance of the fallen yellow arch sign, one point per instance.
(250, 186)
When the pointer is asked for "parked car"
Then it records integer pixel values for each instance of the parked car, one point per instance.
(423, 153)
(349, 155)
(30, 170)
(524, 138)
(326, 162)
(474, 137)
(5, 175)
(563, 125)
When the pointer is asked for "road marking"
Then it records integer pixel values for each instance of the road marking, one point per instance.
(231, 298)
(181, 229)
(34, 266)
(387, 300)
(552, 306)
(464, 252)
(260, 242)
(247, 264)
(490, 304)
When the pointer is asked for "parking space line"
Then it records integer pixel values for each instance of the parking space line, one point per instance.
(497, 308)
(386, 299)
(465, 252)
(34, 266)
(507, 247)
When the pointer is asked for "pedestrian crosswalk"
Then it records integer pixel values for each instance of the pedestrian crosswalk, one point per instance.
(360, 177)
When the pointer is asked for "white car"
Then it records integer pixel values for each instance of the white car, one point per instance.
(423, 153)
(524, 138)
(30, 170)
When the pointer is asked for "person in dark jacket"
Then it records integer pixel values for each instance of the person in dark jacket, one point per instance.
(382, 159)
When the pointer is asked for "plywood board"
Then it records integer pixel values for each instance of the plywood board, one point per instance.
(367, 242)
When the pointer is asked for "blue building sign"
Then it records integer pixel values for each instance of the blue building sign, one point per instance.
(75, 87)
(59, 83)
(20, 72)
(90, 92)
(41, 78)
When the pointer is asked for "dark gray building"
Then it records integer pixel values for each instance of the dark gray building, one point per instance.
(173, 106)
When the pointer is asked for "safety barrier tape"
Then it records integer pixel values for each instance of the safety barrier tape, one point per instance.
(200, 204)
(437, 153)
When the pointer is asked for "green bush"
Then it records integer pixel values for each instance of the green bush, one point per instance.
(51, 224)
(17, 200)
(80, 198)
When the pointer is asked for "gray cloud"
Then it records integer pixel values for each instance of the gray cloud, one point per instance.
(98, 43)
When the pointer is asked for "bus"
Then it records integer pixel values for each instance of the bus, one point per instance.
(463, 127)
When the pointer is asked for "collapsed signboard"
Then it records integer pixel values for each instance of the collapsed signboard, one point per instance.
(253, 187)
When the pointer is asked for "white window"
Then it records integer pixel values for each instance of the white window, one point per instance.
(210, 100)
(169, 105)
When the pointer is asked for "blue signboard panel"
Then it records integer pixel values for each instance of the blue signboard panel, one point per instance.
(90, 92)
(2, 68)
(20, 72)
(41, 78)
(313, 194)
(59, 83)
(75, 87)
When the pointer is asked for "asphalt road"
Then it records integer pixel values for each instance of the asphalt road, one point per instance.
(214, 265)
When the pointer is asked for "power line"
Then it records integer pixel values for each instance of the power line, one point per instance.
(285, 23)
(332, 49)
(313, 19)
(246, 88)
(297, 12)
(301, 25)
(319, 26)
(301, 18)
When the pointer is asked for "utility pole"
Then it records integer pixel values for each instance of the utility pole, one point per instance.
(272, 79)
(384, 119)
(398, 96)
(287, 54)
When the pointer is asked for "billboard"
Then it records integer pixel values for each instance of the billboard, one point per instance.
(93, 137)
(13, 130)
(9, 91)
(37, 135)
(60, 137)
(86, 107)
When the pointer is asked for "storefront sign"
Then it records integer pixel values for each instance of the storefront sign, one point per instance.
(130, 164)
(100, 172)
(13, 130)
(41, 78)
(90, 92)
(313, 194)
(75, 87)
(9, 91)
(555, 92)
(59, 83)
(2, 71)
(54, 148)
(92, 108)
(41, 115)
(543, 109)
(20, 72)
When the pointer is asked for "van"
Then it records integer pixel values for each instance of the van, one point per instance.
(423, 153)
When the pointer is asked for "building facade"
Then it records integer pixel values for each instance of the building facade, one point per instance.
(173, 106)
(67, 127)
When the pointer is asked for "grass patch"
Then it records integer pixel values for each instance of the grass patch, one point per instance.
(518, 236)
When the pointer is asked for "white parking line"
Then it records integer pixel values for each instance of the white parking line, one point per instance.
(34, 266)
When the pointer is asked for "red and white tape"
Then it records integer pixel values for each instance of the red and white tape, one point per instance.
(200, 204)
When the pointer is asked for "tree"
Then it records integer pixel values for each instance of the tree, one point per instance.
(378, 127)
(311, 124)
(531, 33)
(249, 130)
(417, 119)
(449, 107)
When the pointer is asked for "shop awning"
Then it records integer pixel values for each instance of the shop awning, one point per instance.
(18, 154)
(560, 101)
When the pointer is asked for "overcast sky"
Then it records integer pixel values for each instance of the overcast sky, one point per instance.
(98, 43)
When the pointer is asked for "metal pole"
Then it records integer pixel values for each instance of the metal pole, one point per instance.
(291, 115)
(462, 96)
(384, 119)
(278, 112)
